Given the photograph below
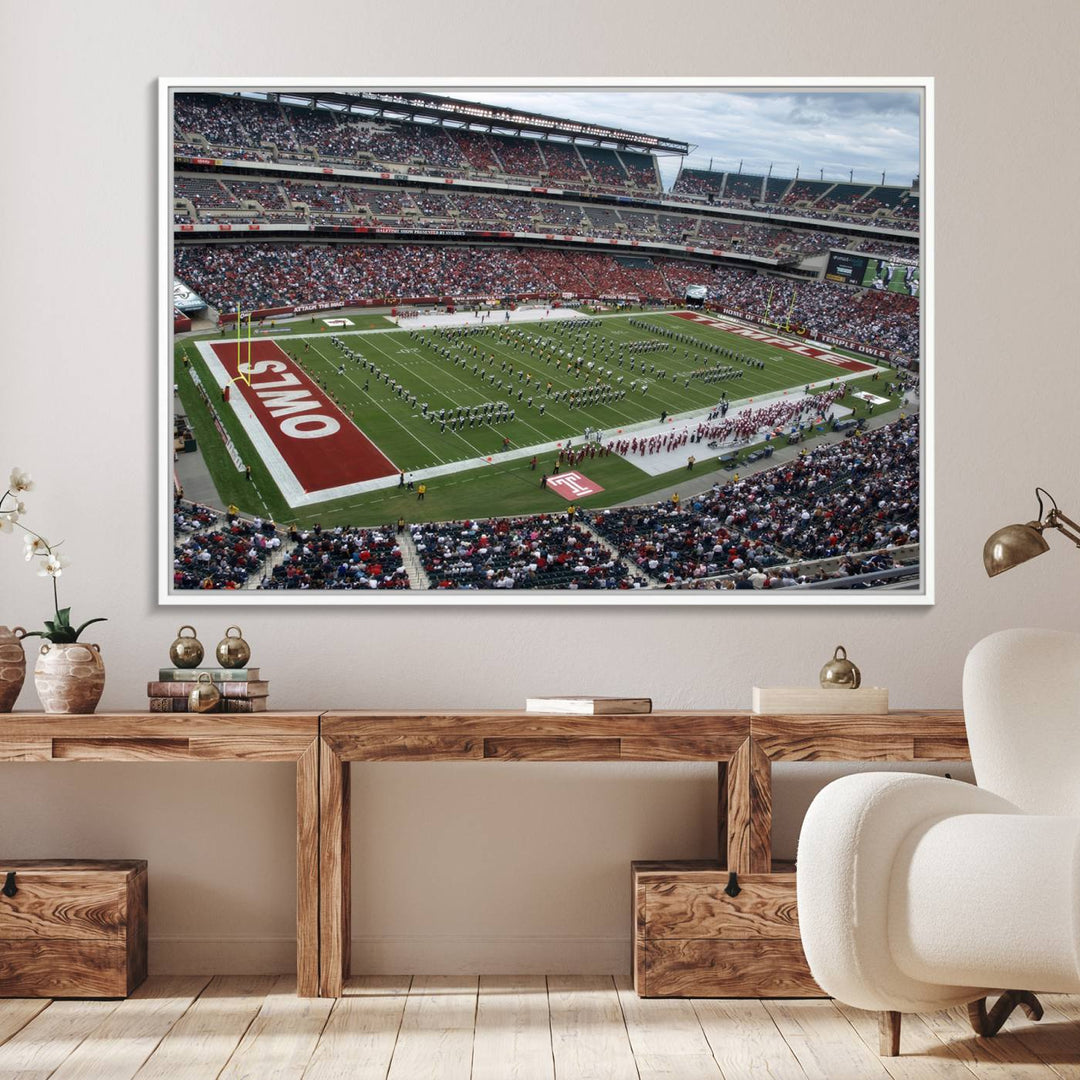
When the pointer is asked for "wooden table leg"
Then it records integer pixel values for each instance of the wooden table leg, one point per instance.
(749, 810)
(722, 813)
(307, 872)
(334, 872)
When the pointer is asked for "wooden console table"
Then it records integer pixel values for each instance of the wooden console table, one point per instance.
(323, 745)
(742, 744)
(902, 735)
(494, 736)
(260, 737)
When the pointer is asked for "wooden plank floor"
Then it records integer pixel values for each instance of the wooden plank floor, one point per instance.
(524, 1027)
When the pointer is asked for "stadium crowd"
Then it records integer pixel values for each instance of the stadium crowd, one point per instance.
(887, 320)
(340, 558)
(321, 203)
(215, 552)
(290, 273)
(856, 496)
(826, 200)
(279, 274)
(246, 129)
(277, 131)
(854, 502)
(547, 551)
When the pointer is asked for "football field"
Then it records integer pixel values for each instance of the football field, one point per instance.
(326, 421)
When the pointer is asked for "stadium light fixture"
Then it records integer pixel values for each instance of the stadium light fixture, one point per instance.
(1015, 544)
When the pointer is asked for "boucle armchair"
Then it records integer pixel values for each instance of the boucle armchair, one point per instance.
(918, 893)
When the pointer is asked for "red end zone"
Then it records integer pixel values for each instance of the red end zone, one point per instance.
(813, 351)
(319, 443)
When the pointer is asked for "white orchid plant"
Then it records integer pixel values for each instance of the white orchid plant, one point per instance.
(51, 563)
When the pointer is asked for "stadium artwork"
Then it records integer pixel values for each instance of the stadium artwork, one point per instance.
(546, 342)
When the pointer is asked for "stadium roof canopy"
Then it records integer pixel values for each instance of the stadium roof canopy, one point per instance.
(455, 112)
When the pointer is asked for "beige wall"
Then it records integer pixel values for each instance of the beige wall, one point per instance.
(501, 867)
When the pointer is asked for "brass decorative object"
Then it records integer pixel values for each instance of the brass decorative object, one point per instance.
(233, 652)
(12, 666)
(186, 652)
(204, 696)
(1015, 544)
(840, 673)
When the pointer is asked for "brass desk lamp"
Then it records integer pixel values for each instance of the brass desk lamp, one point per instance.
(1014, 544)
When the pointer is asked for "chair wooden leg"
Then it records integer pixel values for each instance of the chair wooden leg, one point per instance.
(988, 1024)
(889, 1033)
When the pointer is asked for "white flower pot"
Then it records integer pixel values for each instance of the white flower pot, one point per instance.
(69, 678)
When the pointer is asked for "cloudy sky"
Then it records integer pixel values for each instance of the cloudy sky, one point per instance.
(864, 130)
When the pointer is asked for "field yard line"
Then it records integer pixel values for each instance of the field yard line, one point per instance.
(458, 434)
(807, 368)
(557, 380)
(745, 330)
(762, 384)
(378, 406)
(454, 376)
(458, 379)
(657, 390)
(444, 396)
(552, 338)
(506, 352)
(471, 390)
(800, 364)
(653, 380)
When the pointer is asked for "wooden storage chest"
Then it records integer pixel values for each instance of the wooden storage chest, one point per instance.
(71, 928)
(692, 939)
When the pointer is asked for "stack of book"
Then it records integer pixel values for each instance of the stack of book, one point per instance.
(581, 705)
(241, 689)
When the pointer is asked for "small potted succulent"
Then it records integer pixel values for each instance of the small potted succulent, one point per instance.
(69, 674)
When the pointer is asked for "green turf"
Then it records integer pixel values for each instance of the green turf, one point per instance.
(507, 488)
(412, 442)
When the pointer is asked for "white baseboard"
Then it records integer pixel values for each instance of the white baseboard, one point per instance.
(430, 954)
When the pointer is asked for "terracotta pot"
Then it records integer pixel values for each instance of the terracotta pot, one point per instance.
(69, 678)
(12, 666)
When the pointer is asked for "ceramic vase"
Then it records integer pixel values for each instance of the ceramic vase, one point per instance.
(69, 678)
(12, 666)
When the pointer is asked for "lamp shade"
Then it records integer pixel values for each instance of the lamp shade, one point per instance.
(1012, 545)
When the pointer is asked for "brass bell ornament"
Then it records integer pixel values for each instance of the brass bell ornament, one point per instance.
(204, 696)
(840, 673)
(186, 652)
(233, 652)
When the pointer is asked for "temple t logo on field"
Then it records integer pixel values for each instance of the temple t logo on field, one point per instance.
(573, 485)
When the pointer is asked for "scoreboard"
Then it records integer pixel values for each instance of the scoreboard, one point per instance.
(845, 268)
(885, 275)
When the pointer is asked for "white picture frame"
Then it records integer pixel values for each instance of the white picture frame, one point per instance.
(168, 596)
